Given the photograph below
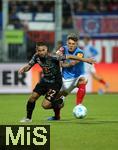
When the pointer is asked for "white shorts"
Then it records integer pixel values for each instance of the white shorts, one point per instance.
(69, 84)
(89, 68)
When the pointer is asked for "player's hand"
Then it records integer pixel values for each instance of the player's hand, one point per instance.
(24, 69)
(21, 70)
(59, 53)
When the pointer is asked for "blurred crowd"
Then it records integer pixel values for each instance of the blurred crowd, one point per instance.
(34, 7)
(69, 7)
(96, 6)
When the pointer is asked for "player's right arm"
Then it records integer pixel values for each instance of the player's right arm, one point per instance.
(60, 51)
(24, 69)
(28, 66)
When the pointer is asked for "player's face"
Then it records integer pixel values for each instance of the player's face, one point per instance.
(72, 45)
(42, 51)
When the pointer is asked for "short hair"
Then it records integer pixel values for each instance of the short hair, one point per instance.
(73, 37)
(41, 44)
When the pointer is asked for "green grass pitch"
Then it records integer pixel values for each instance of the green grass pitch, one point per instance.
(98, 131)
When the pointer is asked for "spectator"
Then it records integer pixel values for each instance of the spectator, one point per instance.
(102, 6)
(113, 5)
(79, 7)
(91, 7)
(67, 22)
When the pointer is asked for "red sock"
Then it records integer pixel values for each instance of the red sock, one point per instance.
(57, 112)
(102, 81)
(80, 93)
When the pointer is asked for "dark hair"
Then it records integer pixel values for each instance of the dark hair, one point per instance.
(73, 37)
(41, 44)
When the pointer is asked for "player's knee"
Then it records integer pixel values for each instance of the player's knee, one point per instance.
(33, 97)
(46, 105)
(82, 81)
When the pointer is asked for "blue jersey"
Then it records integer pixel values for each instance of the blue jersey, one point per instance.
(76, 70)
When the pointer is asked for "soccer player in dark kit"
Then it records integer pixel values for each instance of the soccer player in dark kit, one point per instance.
(51, 82)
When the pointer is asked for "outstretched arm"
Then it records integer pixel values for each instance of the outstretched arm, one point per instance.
(24, 69)
(87, 60)
(27, 67)
(72, 57)
(68, 64)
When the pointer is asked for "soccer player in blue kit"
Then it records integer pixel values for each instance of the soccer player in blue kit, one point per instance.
(73, 73)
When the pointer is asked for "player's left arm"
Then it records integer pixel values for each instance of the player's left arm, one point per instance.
(77, 58)
(87, 60)
(79, 55)
(72, 62)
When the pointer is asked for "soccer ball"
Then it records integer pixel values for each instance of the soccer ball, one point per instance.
(80, 111)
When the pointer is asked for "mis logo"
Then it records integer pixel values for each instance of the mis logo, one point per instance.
(28, 137)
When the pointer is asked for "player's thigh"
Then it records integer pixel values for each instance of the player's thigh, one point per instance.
(82, 79)
(51, 95)
(46, 104)
(34, 96)
(68, 85)
(40, 88)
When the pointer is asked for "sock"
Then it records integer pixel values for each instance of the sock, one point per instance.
(80, 93)
(57, 102)
(102, 81)
(57, 112)
(30, 108)
(56, 108)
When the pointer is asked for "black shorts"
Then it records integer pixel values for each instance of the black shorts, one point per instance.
(50, 90)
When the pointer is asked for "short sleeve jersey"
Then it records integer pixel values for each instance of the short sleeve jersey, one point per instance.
(50, 66)
(76, 70)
